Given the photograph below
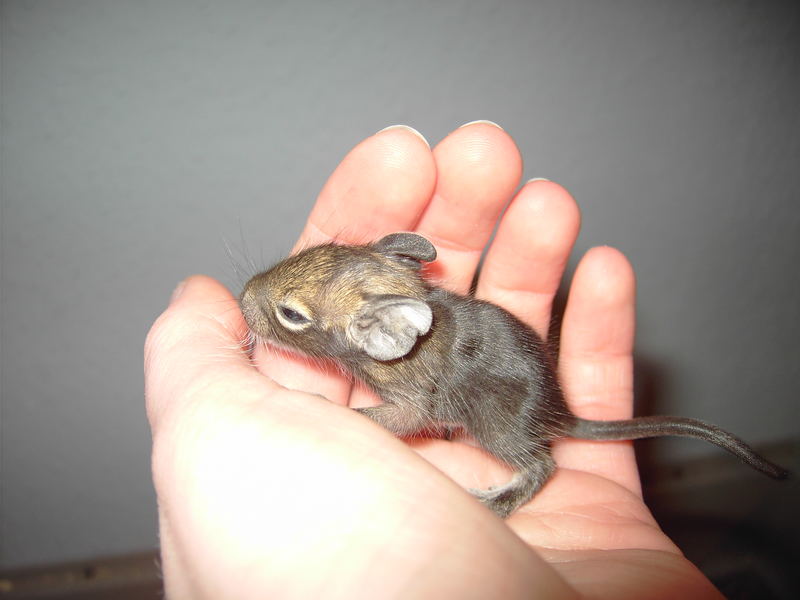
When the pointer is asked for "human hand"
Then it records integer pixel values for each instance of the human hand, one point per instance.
(267, 489)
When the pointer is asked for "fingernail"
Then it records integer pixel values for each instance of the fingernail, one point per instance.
(484, 122)
(407, 128)
(177, 292)
(535, 179)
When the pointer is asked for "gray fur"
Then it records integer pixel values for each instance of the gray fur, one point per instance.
(441, 359)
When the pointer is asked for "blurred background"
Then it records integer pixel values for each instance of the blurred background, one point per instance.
(141, 138)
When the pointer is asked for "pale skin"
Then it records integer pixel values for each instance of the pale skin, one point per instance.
(270, 487)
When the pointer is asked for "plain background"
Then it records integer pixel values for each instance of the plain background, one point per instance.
(139, 138)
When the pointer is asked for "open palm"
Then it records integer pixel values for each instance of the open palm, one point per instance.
(269, 487)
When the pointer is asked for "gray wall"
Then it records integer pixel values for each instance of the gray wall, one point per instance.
(138, 137)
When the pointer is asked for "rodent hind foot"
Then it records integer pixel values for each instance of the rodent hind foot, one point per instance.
(505, 499)
(501, 500)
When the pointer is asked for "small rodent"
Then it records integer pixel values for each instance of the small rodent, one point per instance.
(440, 359)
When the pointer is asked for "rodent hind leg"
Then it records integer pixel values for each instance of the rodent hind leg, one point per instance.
(400, 419)
(505, 499)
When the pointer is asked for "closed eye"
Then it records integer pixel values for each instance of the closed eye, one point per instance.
(291, 317)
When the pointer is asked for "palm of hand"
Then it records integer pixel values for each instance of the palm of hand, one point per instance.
(290, 478)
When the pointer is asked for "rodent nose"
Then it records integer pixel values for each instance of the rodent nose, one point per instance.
(248, 303)
(248, 298)
(249, 294)
(246, 295)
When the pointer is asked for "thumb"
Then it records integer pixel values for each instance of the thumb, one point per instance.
(199, 340)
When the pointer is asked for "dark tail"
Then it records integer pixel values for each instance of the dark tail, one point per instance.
(647, 427)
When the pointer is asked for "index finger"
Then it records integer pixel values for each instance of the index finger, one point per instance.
(382, 185)
(196, 342)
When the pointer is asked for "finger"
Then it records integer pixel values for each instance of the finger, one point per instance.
(196, 342)
(381, 186)
(478, 167)
(596, 361)
(523, 268)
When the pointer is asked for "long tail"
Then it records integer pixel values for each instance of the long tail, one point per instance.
(647, 427)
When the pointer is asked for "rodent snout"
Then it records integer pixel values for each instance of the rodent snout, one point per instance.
(249, 305)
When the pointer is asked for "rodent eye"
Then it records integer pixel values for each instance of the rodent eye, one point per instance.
(292, 318)
(293, 315)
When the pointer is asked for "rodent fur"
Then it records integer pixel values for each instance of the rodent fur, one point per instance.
(437, 358)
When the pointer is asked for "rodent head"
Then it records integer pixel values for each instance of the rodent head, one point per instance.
(332, 301)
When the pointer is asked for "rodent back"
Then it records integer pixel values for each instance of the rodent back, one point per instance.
(499, 380)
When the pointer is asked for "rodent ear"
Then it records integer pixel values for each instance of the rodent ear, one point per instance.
(388, 326)
(410, 247)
